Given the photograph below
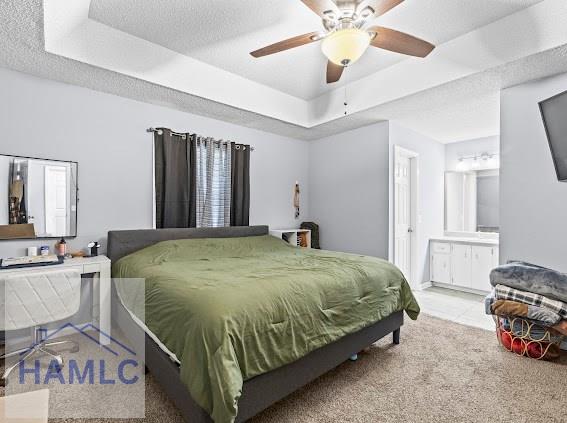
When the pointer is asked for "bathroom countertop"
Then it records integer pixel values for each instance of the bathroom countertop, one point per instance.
(467, 240)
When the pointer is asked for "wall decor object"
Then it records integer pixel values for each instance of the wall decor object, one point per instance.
(39, 198)
(296, 200)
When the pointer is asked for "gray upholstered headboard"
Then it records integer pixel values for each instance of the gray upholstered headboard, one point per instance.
(122, 243)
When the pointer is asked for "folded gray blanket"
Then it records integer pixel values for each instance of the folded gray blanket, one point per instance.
(531, 278)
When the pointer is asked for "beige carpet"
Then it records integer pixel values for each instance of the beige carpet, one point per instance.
(441, 372)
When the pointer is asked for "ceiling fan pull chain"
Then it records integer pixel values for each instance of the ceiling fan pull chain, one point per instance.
(346, 94)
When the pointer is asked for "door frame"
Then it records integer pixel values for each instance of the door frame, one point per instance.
(414, 282)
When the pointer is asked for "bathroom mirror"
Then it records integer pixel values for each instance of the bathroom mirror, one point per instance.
(38, 198)
(472, 201)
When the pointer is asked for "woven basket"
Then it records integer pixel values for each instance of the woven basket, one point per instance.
(528, 339)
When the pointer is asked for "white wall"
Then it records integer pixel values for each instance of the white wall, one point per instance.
(107, 136)
(4, 187)
(348, 177)
(454, 151)
(430, 219)
(533, 204)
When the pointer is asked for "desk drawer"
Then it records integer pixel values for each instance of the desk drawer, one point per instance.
(39, 269)
(91, 268)
(441, 247)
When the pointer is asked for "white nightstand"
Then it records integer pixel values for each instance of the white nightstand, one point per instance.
(100, 267)
(295, 237)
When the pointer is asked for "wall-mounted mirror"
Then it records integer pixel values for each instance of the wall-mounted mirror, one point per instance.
(38, 198)
(472, 201)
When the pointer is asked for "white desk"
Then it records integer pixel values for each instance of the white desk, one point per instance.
(100, 267)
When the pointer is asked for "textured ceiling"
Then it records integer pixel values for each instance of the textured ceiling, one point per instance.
(222, 33)
(463, 108)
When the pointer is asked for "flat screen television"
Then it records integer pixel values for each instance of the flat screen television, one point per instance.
(554, 113)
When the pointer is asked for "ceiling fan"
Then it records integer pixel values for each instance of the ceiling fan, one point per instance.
(345, 36)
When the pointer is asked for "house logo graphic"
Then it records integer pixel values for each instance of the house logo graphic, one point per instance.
(117, 364)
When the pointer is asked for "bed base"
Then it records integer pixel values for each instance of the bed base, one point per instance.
(261, 391)
(264, 390)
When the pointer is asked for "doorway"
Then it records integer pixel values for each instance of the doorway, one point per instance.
(405, 213)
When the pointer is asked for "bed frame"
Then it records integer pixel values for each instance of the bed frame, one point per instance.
(261, 391)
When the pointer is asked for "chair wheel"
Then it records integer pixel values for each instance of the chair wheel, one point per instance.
(3, 382)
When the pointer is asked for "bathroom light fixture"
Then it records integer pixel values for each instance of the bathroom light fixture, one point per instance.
(475, 163)
(478, 161)
(345, 46)
(462, 166)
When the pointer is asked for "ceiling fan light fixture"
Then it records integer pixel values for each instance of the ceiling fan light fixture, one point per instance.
(346, 46)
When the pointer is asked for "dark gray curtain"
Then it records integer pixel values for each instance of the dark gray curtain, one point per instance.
(175, 179)
(240, 201)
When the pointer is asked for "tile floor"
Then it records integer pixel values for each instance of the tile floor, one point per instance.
(460, 307)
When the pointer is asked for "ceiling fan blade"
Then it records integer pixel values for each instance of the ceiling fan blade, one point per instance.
(400, 42)
(380, 6)
(298, 41)
(334, 72)
(321, 6)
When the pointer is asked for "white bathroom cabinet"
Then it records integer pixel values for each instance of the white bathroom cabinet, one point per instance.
(464, 265)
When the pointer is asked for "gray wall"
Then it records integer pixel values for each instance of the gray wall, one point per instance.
(107, 135)
(352, 190)
(349, 190)
(533, 204)
(430, 218)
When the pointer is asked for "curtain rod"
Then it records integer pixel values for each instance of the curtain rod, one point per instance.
(181, 134)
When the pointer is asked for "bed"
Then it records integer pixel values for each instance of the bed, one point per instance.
(236, 320)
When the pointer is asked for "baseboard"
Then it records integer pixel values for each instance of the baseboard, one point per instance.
(425, 285)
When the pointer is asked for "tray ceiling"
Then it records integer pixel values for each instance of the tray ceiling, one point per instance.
(450, 96)
(222, 33)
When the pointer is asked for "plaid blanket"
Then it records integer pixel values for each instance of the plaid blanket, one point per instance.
(507, 293)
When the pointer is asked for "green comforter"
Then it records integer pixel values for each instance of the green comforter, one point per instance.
(234, 308)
